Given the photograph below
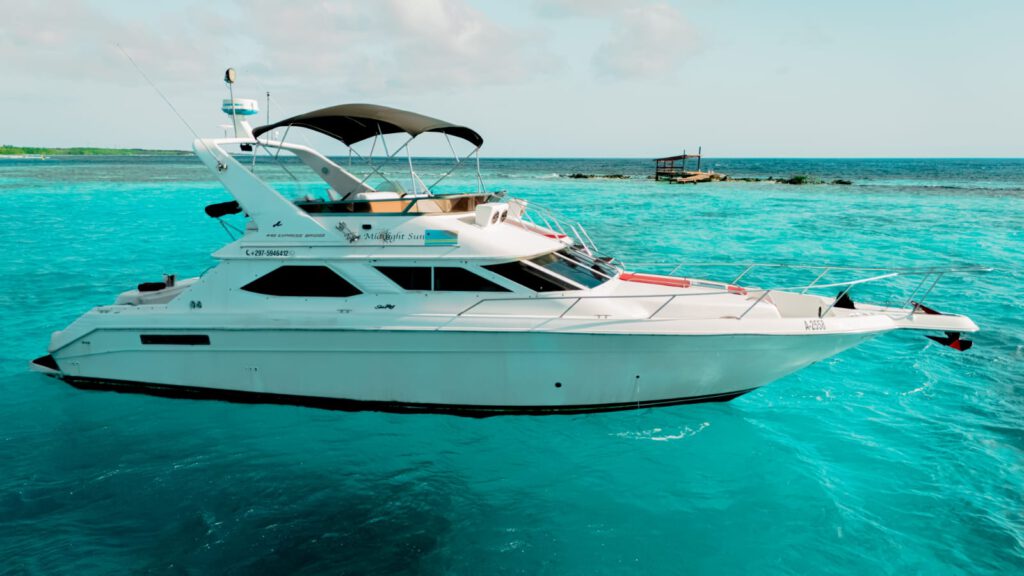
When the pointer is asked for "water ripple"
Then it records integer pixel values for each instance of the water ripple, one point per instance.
(898, 456)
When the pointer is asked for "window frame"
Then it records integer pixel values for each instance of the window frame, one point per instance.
(430, 279)
(593, 268)
(550, 272)
(345, 285)
(433, 275)
(563, 284)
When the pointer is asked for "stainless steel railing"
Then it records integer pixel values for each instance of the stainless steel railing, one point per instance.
(928, 273)
(931, 273)
(544, 218)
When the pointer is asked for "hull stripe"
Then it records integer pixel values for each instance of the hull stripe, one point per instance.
(478, 411)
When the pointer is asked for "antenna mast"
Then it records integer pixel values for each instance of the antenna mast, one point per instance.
(229, 79)
(240, 109)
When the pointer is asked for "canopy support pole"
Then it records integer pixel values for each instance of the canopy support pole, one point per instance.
(479, 177)
(459, 162)
(376, 169)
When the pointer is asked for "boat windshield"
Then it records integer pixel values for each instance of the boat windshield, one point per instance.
(556, 272)
(577, 267)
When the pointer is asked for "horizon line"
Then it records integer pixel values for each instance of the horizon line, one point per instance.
(646, 158)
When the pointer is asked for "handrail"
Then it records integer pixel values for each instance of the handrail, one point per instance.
(408, 198)
(550, 220)
(902, 270)
(576, 299)
(926, 273)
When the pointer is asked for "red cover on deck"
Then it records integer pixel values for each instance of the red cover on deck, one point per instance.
(672, 281)
(655, 279)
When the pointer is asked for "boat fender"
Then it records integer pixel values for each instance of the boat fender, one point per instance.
(222, 209)
(953, 340)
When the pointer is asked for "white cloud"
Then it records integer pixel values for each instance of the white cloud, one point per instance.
(395, 46)
(647, 41)
(570, 8)
(402, 45)
(454, 43)
(72, 40)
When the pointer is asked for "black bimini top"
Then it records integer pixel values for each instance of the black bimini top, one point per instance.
(352, 123)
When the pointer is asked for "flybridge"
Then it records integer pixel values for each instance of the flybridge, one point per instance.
(351, 124)
(375, 193)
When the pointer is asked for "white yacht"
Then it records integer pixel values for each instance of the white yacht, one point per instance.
(387, 297)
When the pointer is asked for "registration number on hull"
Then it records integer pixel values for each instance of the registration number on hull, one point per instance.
(270, 252)
(814, 325)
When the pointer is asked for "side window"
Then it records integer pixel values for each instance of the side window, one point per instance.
(564, 264)
(445, 279)
(309, 281)
(462, 280)
(408, 277)
(530, 277)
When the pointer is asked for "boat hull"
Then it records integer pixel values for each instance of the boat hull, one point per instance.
(464, 372)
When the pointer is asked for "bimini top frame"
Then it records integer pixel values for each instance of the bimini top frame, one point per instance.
(354, 123)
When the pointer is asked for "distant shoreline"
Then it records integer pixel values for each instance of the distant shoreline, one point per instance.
(37, 152)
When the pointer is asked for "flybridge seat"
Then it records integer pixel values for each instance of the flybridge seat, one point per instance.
(392, 202)
(391, 186)
(154, 292)
(372, 196)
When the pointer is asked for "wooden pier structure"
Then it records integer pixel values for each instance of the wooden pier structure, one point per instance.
(674, 169)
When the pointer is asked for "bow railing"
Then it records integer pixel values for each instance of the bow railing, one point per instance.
(544, 221)
(929, 275)
(926, 280)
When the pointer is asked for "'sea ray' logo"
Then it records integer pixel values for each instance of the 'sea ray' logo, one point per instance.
(349, 234)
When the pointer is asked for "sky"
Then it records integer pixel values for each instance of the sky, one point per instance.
(537, 78)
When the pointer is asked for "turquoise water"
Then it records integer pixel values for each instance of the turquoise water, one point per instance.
(899, 456)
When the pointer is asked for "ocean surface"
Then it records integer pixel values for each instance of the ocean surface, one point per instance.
(900, 456)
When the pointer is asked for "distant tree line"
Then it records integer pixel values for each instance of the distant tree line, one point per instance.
(8, 150)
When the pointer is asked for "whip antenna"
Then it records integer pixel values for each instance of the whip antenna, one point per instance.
(154, 87)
